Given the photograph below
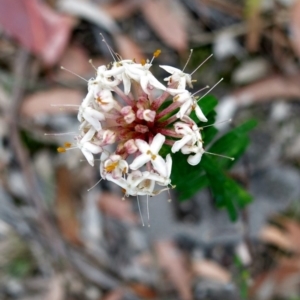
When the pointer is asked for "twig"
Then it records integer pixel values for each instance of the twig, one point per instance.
(34, 199)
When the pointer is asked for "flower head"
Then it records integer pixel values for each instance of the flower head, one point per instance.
(139, 126)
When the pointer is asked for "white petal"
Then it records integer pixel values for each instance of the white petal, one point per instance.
(157, 143)
(170, 69)
(95, 113)
(200, 114)
(154, 82)
(95, 123)
(88, 136)
(169, 164)
(144, 84)
(195, 159)
(126, 83)
(160, 166)
(115, 71)
(142, 145)
(179, 144)
(189, 149)
(119, 181)
(183, 109)
(89, 156)
(139, 161)
(92, 148)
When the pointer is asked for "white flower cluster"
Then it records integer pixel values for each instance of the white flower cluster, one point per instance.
(127, 106)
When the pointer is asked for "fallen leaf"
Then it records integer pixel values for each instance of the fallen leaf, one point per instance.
(55, 289)
(91, 12)
(37, 27)
(115, 207)
(40, 102)
(120, 10)
(74, 53)
(65, 207)
(128, 48)
(161, 18)
(272, 235)
(114, 295)
(211, 270)
(143, 291)
(171, 261)
(295, 26)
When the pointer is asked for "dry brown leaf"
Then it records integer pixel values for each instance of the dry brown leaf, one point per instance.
(293, 232)
(65, 207)
(284, 279)
(160, 16)
(272, 87)
(211, 270)
(143, 291)
(55, 290)
(254, 24)
(275, 236)
(37, 27)
(172, 262)
(295, 26)
(121, 9)
(115, 207)
(82, 67)
(40, 102)
(127, 48)
(114, 295)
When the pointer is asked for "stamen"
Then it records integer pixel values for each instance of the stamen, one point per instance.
(170, 199)
(138, 201)
(63, 133)
(95, 184)
(61, 149)
(220, 155)
(201, 64)
(111, 51)
(210, 89)
(155, 54)
(67, 145)
(91, 63)
(200, 128)
(188, 60)
(63, 68)
(148, 210)
(143, 62)
(207, 87)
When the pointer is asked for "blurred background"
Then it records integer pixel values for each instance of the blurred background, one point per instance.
(59, 241)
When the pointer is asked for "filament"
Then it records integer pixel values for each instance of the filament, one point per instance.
(220, 155)
(201, 64)
(63, 68)
(210, 89)
(138, 202)
(188, 60)
(95, 184)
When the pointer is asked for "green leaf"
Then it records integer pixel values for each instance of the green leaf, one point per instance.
(226, 192)
(233, 144)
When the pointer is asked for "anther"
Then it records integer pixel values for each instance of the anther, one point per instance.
(61, 149)
(91, 63)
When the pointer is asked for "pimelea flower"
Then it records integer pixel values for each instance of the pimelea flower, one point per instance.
(138, 123)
